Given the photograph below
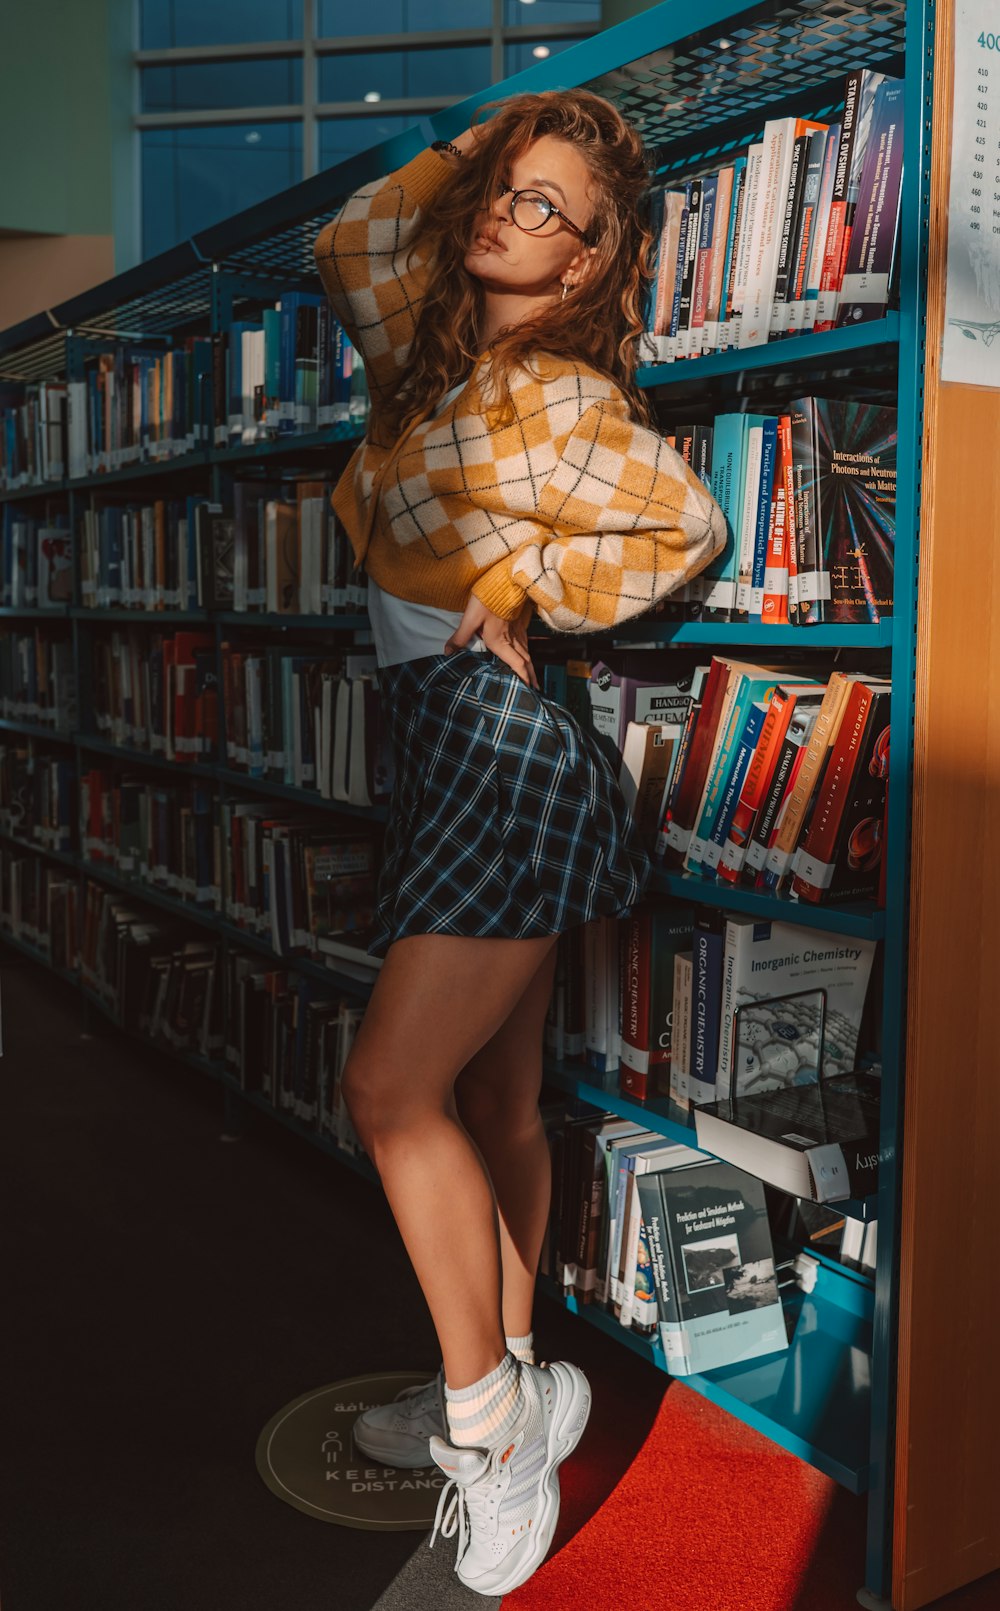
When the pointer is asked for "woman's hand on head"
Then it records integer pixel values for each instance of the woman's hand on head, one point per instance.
(508, 640)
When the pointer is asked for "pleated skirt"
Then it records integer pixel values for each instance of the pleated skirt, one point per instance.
(506, 820)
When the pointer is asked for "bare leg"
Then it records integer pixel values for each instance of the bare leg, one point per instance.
(497, 1096)
(439, 999)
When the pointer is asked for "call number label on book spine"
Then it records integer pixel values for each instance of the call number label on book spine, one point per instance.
(971, 347)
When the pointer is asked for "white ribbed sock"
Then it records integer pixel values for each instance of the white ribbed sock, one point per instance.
(523, 1348)
(486, 1412)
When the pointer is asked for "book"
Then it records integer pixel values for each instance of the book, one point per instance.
(841, 852)
(648, 759)
(764, 961)
(860, 89)
(868, 262)
(819, 1141)
(713, 1267)
(650, 939)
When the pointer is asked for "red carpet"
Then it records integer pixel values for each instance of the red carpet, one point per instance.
(709, 1516)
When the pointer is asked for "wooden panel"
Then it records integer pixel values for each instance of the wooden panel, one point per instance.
(947, 1498)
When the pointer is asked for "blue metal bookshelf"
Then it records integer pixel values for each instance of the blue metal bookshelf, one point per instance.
(695, 94)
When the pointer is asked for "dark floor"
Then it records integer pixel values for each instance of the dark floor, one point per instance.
(165, 1292)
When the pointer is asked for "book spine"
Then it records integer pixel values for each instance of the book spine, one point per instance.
(762, 516)
(815, 861)
(758, 778)
(680, 1059)
(705, 1005)
(829, 285)
(633, 1076)
(745, 748)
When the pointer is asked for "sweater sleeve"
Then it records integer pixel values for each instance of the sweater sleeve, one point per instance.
(364, 262)
(622, 522)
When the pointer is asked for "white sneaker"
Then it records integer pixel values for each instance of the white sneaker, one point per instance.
(399, 1433)
(504, 1502)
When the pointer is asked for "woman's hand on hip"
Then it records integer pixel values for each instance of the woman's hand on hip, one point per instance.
(508, 640)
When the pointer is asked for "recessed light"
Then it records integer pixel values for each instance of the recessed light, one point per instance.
(541, 51)
(253, 138)
(373, 96)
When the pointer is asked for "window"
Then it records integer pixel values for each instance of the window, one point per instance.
(342, 17)
(195, 173)
(198, 85)
(167, 23)
(193, 177)
(342, 137)
(391, 75)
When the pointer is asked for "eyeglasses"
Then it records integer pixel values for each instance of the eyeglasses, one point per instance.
(531, 210)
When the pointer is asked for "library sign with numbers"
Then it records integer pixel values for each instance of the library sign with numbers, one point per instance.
(971, 348)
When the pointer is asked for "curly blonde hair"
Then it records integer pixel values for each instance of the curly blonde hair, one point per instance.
(599, 323)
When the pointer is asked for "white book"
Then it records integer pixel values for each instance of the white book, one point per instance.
(765, 221)
(680, 1038)
(668, 1156)
(765, 961)
(755, 157)
(804, 319)
(340, 776)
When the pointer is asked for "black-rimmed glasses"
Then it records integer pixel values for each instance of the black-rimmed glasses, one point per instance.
(530, 210)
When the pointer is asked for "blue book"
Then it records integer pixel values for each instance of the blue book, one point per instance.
(745, 747)
(748, 683)
(288, 308)
(729, 457)
(762, 529)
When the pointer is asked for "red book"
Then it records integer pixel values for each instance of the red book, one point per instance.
(816, 852)
(685, 806)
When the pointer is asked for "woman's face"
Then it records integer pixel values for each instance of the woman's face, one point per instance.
(505, 258)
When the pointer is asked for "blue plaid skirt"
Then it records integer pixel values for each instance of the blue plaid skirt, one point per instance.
(506, 820)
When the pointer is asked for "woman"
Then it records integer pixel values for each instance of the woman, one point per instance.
(495, 289)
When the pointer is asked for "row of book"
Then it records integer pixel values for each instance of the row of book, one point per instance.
(37, 795)
(674, 1244)
(291, 369)
(781, 783)
(309, 720)
(38, 679)
(279, 549)
(287, 1040)
(809, 496)
(288, 371)
(38, 905)
(753, 775)
(280, 1036)
(799, 233)
(157, 691)
(37, 560)
(292, 880)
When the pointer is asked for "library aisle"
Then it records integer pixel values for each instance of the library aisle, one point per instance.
(167, 1292)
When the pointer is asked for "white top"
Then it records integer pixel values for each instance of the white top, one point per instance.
(406, 631)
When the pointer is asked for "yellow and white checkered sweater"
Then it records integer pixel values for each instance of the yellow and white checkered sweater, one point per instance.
(572, 504)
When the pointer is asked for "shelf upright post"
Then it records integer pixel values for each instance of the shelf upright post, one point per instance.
(913, 226)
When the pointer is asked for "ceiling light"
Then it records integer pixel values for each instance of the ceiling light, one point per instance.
(373, 96)
(253, 138)
(541, 51)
